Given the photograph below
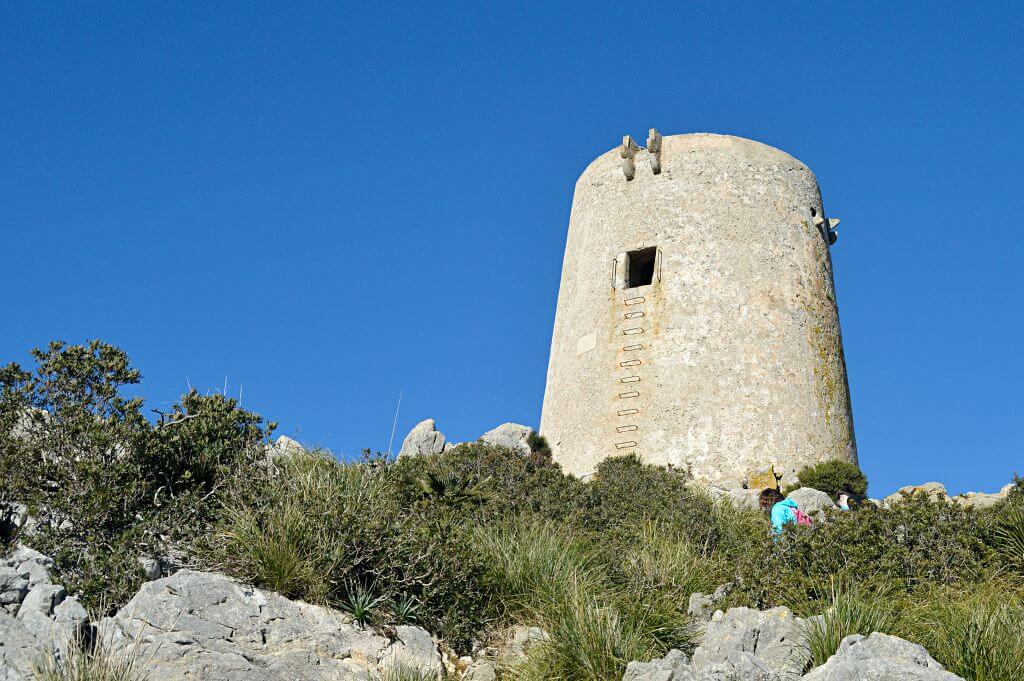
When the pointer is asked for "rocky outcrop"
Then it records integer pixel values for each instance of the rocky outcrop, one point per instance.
(36, 614)
(510, 435)
(423, 440)
(207, 626)
(933, 490)
(812, 502)
(748, 645)
(701, 607)
(880, 656)
(283, 448)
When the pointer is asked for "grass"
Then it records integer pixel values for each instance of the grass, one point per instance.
(850, 612)
(83, 663)
(976, 632)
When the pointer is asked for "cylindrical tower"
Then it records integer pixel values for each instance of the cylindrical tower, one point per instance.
(697, 323)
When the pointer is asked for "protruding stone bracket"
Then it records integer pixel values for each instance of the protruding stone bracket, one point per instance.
(827, 226)
(654, 150)
(628, 153)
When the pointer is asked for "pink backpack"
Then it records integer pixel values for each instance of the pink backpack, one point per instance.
(802, 518)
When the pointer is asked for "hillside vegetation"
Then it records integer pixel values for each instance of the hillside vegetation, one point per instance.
(477, 538)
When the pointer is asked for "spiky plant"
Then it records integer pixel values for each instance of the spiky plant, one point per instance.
(361, 603)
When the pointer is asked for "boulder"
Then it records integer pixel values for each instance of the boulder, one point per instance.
(523, 638)
(773, 637)
(423, 440)
(673, 667)
(37, 615)
(283, 448)
(414, 650)
(13, 588)
(206, 626)
(880, 656)
(480, 670)
(747, 499)
(19, 649)
(812, 502)
(934, 490)
(510, 435)
(702, 606)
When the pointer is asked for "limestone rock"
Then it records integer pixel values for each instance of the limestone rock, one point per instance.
(423, 440)
(13, 588)
(283, 448)
(673, 667)
(523, 638)
(151, 567)
(510, 435)
(36, 616)
(200, 625)
(744, 498)
(480, 670)
(812, 502)
(413, 649)
(982, 499)
(762, 478)
(702, 606)
(880, 656)
(18, 649)
(774, 637)
(934, 490)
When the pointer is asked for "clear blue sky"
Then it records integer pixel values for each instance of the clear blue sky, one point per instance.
(324, 206)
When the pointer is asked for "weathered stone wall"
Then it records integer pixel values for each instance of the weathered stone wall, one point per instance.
(732, 358)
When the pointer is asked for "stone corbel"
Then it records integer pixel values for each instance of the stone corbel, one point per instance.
(654, 150)
(628, 153)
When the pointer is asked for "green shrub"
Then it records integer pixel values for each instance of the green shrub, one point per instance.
(902, 548)
(833, 477)
(102, 483)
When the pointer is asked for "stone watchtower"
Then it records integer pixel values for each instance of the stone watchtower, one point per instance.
(697, 323)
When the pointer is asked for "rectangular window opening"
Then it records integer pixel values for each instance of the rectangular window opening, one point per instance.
(641, 267)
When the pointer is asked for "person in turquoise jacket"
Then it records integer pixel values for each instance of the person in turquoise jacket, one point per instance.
(781, 510)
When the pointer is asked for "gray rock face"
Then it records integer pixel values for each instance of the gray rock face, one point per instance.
(283, 448)
(702, 606)
(510, 435)
(37, 616)
(812, 502)
(878, 657)
(673, 667)
(774, 637)
(423, 440)
(206, 626)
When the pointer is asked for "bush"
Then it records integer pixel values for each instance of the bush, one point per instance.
(104, 485)
(900, 548)
(833, 477)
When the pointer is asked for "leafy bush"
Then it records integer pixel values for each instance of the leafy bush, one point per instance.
(904, 547)
(833, 477)
(101, 483)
